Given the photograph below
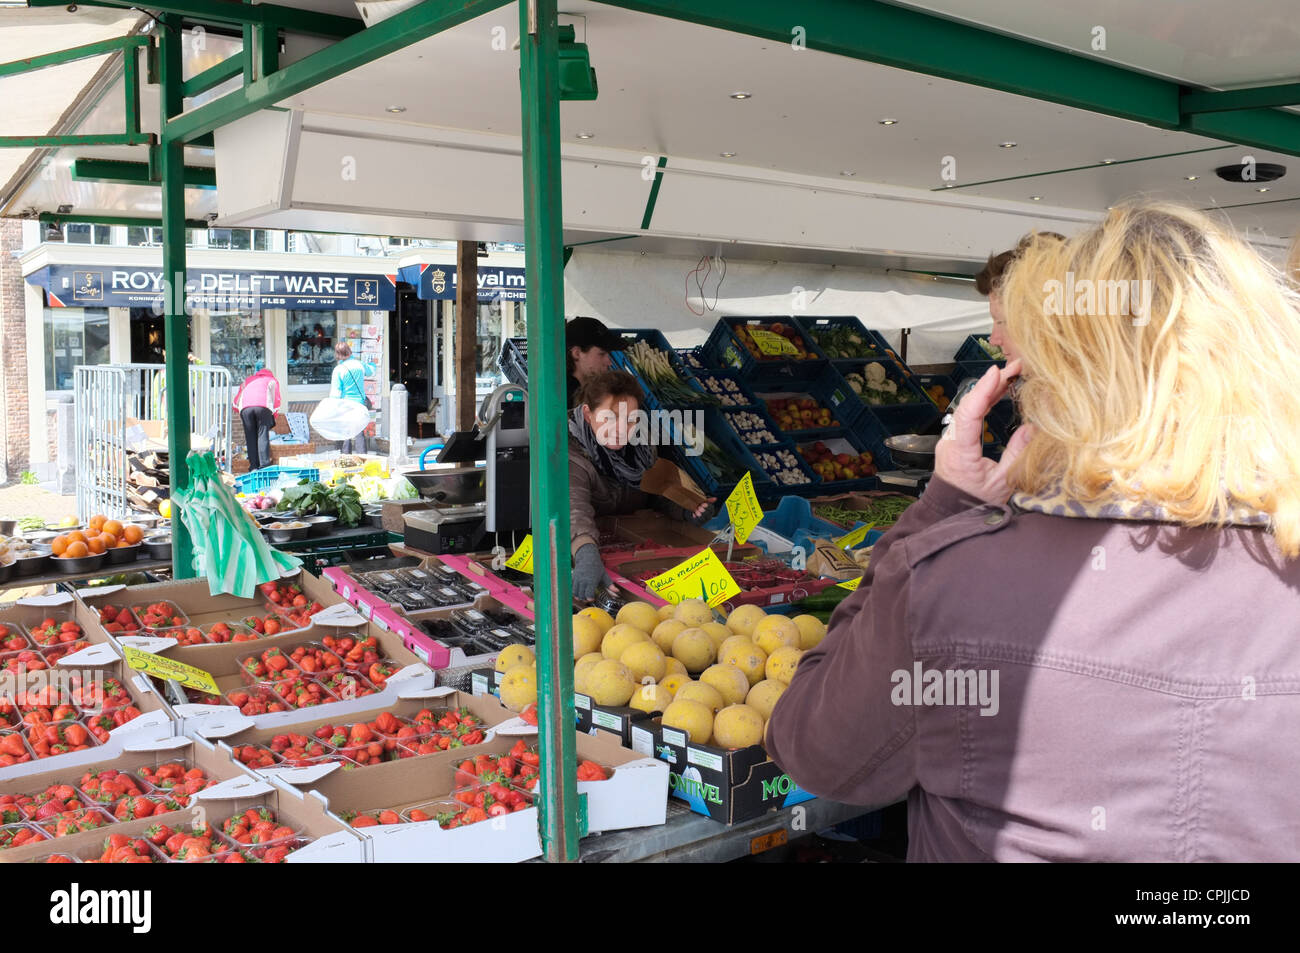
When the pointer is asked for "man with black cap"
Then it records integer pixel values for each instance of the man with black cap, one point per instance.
(587, 343)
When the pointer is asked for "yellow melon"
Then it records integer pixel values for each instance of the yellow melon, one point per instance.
(718, 632)
(519, 687)
(749, 660)
(743, 619)
(600, 617)
(513, 655)
(762, 697)
(694, 649)
(694, 612)
(737, 726)
(587, 634)
(674, 666)
(651, 698)
(775, 631)
(691, 717)
(666, 611)
(674, 682)
(702, 693)
(611, 683)
(664, 633)
(811, 630)
(644, 660)
(781, 664)
(730, 682)
(642, 615)
(582, 669)
(619, 638)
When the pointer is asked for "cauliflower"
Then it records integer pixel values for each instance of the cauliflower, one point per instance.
(875, 374)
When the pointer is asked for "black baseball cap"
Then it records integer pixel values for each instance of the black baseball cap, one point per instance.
(588, 332)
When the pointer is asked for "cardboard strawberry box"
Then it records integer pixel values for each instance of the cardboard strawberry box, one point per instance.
(253, 746)
(308, 833)
(728, 785)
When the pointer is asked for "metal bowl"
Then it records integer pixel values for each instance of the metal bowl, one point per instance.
(320, 525)
(120, 555)
(41, 536)
(33, 565)
(158, 546)
(80, 564)
(913, 450)
(287, 535)
(7, 570)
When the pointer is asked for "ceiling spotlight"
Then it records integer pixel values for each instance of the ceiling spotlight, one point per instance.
(848, 174)
(1035, 198)
(889, 122)
(1263, 188)
(741, 95)
(210, 217)
(1191, 178)
(1253, 172)
(1109, 161)
(586, 135)
(1006, 145)
(727, 155)
(396, 109)
(72, 8)
(65, 209)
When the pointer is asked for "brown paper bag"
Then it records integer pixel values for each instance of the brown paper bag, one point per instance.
(827, 559)
(666, 479)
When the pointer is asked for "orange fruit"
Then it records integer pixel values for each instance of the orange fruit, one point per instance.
(96, 521)
(132, 533)
(112, 526)
(121, 543)
(76, 536)
(76, 549)
(108, 539)
(58, 545)
(96, 545)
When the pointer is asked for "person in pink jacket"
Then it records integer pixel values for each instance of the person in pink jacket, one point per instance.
(1090, 650)
(257, 402)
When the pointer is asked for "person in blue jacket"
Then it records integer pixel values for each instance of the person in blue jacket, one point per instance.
(348, 382)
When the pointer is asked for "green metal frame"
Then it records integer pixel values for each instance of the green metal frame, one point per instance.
(228, 68)
(654, 192)
(407, 27)
(547, 423)
(128, 47)
(1256, 97)
(176, 332)
(125, 172)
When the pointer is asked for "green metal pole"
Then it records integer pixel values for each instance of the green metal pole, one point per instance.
(176, 332)
(548, 431)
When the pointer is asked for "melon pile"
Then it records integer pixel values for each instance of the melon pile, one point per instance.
(719, 683)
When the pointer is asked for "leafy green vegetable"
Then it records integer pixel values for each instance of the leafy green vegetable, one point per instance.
(316, 498)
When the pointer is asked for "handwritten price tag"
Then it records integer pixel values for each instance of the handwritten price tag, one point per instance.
(743, 508)
(851, 539)
(701, 577)
(161, 667)
(522, 559)
(770, 343)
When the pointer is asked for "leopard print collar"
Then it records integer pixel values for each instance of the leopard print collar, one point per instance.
(1056, 503)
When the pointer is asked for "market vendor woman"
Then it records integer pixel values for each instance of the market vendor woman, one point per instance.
(587, 346)
(605, 471)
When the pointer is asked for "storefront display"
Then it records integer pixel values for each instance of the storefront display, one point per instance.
(73, 336)
(238, 341)
(310, 350)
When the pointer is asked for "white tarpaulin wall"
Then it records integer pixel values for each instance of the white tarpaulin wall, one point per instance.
(632, 290)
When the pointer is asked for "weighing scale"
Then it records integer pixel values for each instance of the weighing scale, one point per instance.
(476, 506)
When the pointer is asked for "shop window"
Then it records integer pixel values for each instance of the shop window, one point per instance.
(240, 239)
(144, 235)
(238, 341)
(311, 335)
(73, 336)
(81, 233)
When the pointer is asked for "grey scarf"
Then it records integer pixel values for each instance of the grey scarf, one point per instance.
(620, 466)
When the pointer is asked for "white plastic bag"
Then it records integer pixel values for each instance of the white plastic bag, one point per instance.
(338, 419)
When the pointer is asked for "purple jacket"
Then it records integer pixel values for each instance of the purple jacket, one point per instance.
(1139, 697)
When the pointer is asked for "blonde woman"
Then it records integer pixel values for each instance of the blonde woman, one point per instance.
(1090, 650)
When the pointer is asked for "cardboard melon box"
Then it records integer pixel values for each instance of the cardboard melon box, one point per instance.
(589, 718)
(728, 785)
(318, 838)
(635, 795)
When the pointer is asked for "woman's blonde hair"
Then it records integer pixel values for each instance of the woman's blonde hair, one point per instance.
(1159, 358)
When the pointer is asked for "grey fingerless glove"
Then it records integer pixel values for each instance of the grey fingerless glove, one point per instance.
(588, 572)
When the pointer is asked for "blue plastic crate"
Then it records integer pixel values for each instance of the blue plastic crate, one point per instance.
(943, 381)
(724, 350)
(829, 389)
(850, 442)
(740, 389)
(273, 476)
(772, 488)
(719, 431)
(513, 362)
(766, 424)
(916, 413)
(971, 352)
(653, 400)
(875, 343)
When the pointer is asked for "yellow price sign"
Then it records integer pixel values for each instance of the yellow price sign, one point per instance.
(743, 508)
(851, 539)
(851, 585)
(161, 667)
(523, 556)
(701, 577)
(771, 343)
